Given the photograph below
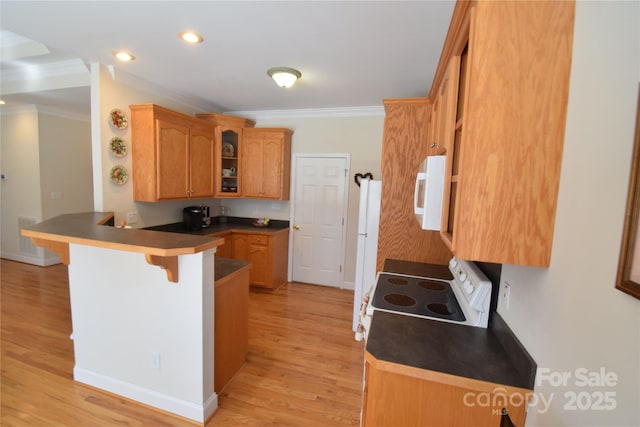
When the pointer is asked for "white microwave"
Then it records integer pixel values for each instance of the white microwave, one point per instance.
(427, 199)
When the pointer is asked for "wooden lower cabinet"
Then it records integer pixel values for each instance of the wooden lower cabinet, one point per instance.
(231, 330)
(397, 395)
(268, 254)
(225, 249)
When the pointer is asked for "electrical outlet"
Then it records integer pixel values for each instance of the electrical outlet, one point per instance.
(132, 217)
(155, 359)
(275, 206)
(506, 295)
(56, 195)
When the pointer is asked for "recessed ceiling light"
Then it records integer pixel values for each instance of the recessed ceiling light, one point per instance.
(1, 102)
(190, 37)
(124, 56)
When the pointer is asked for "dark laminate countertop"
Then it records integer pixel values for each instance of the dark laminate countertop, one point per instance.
(232, 223)
(464, 351)
(493, 354)
(227, 266)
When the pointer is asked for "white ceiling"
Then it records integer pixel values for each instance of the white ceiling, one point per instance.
(350, 53)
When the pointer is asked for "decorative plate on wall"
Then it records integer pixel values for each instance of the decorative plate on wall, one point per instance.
(118, 119)
(119, 174)
(118, 146)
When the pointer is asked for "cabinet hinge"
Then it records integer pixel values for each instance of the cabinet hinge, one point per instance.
(341, 268)
(346, 171)
(343, 221)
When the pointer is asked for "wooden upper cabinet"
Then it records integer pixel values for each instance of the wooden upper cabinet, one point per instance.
(172, 155)
(404, 147)
(442, 116)
(514, 61)
(202, 159)
(228, 133)
(172, 172)
(266, 163)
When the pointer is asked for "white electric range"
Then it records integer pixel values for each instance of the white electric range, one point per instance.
(463, 300)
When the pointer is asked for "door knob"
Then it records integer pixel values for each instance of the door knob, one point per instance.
(297, 227)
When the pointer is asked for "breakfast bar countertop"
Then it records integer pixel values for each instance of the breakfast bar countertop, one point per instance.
(91, 229)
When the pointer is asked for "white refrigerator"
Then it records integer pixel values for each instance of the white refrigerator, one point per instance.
(367, 252)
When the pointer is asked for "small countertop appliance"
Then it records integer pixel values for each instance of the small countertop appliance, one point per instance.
(196, 217)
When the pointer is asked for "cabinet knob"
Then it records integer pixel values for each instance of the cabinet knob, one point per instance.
(434, 144)
(297, 227)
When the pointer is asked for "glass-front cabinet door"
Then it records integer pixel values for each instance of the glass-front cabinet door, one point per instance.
(228, 147)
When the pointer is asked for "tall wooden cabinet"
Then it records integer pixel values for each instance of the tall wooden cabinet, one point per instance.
(228, 152)
(266, 163)
(173, 155)
(503, 170)
(404, 146)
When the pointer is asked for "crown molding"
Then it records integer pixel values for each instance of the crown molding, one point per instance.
(44, 71)
(147, 86)
(17, 109)
(51, 111)
(375, 110)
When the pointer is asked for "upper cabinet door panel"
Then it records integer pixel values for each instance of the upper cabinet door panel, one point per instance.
(252, 165)
(272, 166)
(202, 162)
(266, 160)
(173, 160)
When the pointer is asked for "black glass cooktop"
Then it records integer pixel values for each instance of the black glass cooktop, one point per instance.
(417, 296)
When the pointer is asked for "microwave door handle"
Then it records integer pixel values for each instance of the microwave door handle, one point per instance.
(418, 210)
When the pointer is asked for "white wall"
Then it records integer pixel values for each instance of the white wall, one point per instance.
(42, 152)
(570, 316)
(65, 165)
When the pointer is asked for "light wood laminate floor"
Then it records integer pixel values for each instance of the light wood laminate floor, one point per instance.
(303, 366)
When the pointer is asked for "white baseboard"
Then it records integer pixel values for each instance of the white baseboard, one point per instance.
(199, 413)
(42, 262)
(348, 285)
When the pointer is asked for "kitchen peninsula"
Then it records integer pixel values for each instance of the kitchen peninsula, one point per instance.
(139, 331)
(265, 247)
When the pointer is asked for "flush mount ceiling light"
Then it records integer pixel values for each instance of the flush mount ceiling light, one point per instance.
(123, 55)
(190, 37)
(284, 76)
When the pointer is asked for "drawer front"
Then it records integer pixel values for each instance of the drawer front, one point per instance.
(258, 239)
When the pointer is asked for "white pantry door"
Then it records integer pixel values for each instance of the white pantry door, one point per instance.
(319, 211)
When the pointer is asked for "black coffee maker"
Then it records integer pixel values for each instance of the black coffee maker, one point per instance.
(196, 217)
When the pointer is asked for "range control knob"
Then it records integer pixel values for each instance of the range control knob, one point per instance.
(463, 276)
(453, 262)
(467, 286)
